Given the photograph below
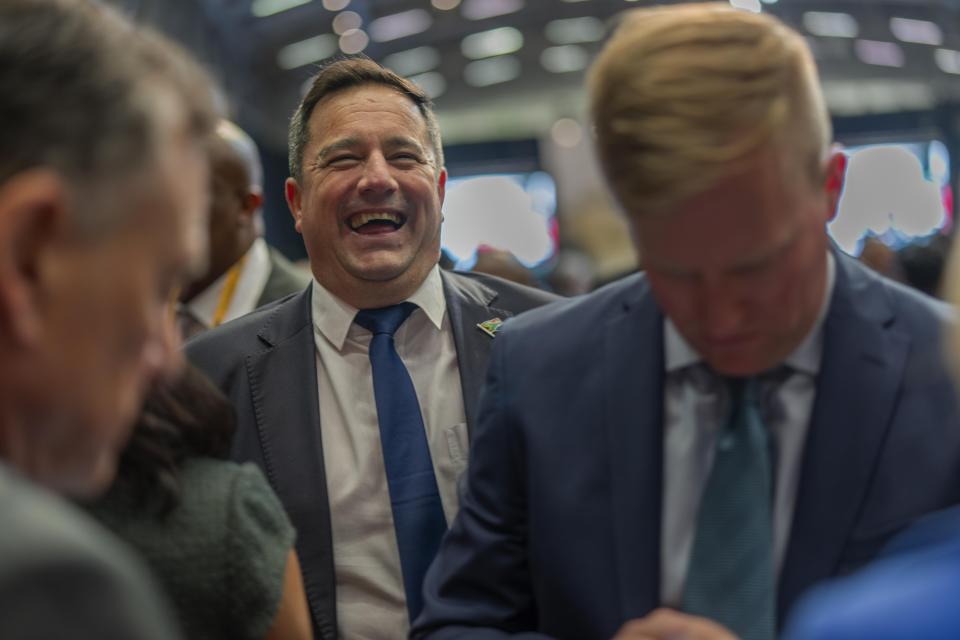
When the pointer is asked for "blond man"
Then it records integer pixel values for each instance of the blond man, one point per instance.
(685, 451)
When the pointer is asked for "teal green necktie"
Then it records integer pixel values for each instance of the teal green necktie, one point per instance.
(731, 577)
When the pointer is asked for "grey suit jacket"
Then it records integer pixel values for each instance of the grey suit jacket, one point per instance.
(284, 279)
(265, 363)
(62, 576)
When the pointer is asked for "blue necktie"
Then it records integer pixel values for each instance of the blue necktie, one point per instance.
(731, 576)
(414, 497)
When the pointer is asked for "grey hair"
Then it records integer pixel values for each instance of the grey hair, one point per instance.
(79, 94)
(347, 72)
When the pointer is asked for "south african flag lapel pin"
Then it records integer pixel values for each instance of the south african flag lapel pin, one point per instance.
(490, 327)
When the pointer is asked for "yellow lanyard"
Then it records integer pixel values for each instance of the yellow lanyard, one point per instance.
(229, 288)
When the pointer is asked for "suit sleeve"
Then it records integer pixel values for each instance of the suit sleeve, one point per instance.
(82, 598)
(479, 585)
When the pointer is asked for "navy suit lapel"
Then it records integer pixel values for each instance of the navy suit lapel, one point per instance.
(283, 385)
(468, 304)
(861, 370)
(633, 417)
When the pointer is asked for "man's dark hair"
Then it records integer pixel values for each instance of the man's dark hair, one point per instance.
(71, 104)
(345, 73)
(182, 419)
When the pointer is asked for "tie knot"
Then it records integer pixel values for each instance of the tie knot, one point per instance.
(385, 319)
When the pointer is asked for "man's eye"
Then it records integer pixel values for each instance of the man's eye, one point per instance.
(342, 160)
(755, 269)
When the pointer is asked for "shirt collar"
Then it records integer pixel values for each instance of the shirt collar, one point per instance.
(333, 317)
(805, 358)
(204, 305)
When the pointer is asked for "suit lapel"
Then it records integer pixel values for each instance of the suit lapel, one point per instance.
(283, 385)
(861, 370)
(633, 417)
(468, 304)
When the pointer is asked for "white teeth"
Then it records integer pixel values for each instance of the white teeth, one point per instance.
(361, 219)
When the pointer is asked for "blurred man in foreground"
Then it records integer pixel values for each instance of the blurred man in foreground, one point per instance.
(103, 196)
(243, 273)
(753, 414)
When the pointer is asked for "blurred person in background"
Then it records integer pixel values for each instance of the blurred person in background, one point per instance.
(357, 395)
(103, 198)
(243, 273)
(923, 265)
(684, 452)
(212, 530)
(881, 258)
(503, 264)
(573, 274)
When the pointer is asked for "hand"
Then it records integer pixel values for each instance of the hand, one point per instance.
(667, 624)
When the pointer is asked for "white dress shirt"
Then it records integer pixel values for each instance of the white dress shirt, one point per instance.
(693, 413)
(370, 598)
(253, 278)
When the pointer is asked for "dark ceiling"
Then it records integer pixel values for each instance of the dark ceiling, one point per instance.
(242, 50)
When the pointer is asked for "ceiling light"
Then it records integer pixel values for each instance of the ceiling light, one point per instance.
(484, 73)
(264, 8)
(400, 25)
(884, 54)
(433, 83)
(495, 42)
(564, 59)
(574, 30)
(918, 31)
(413, 61)
(306, 51)
(345, 21)
(483, 9)
(746, 5)
(948, 60)
(831, 25)
(445, 5)
(354, 41)
(335, 5)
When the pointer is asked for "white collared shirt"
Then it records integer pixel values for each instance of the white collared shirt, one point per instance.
(370, 598)
(692, 418)
(253, 278)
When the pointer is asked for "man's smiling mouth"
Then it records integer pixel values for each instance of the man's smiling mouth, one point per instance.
(376, 222)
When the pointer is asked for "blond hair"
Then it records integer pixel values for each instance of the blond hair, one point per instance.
(683, 94)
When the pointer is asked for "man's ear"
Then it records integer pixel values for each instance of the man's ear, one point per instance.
(291, 190)
(442, 185)
(834, 178)
(252, 202)
(33, 212)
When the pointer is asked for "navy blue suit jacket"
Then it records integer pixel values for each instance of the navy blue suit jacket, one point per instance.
(559, 531)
